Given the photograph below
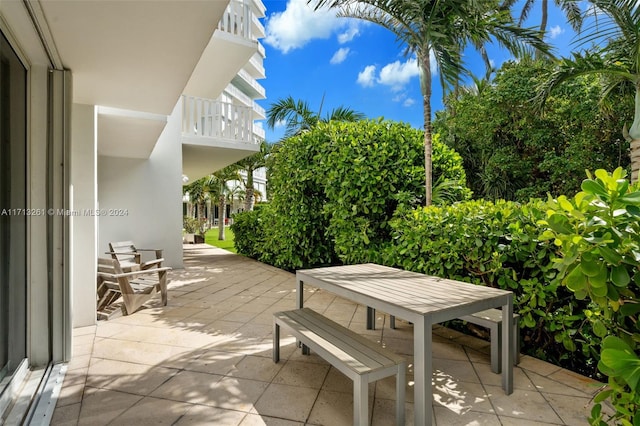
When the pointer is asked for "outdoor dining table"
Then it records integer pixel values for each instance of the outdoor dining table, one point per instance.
(421, 299)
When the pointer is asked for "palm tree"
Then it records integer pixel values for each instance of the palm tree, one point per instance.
(249, 165)
(617, 23)
(570, 8)
(299, 117)
(198, 193)
(217, 184)
(443, 28)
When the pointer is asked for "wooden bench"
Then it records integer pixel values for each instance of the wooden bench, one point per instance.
(491, 319)
(360, 359)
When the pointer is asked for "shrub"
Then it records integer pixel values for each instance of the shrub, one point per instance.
(335, 188)
(248, 232)
(598, 236)
(497, 245)
(192, 225)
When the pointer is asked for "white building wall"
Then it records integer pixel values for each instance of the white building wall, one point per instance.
(83, 222)
(148, 194)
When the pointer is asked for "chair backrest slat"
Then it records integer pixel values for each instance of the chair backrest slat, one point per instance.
(126, 250)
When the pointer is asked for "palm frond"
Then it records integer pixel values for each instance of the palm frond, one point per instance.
(342, 113)
(571, 9)
(583, 63)
(526, 9)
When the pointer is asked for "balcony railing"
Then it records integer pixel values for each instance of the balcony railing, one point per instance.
(237, 20)
(211, 118)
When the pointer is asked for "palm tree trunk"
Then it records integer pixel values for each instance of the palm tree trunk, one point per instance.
(426, 101)
(545, 17)
(248, 202)
(221, 216)
(543, 24)
(634, 134)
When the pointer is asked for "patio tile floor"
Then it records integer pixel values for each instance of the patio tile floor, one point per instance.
(205, 359)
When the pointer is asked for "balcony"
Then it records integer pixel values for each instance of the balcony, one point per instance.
(249, 85)
(238, 95)
(214, 135)
(255, 66)
(237, 20)
(228, 51)
(259, 134)
(259, 113)
(214, 119)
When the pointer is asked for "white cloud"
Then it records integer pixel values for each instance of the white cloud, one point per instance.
(555, 31)
(408, 102)
(367, 77)
(298, 24)
(404, 99)
(397, 74)
(351, 33)
(339, 56)
(280, 123)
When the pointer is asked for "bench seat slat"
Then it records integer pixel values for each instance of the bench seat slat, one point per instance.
(372, 356)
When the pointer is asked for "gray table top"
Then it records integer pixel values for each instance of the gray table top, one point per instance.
(410, 291)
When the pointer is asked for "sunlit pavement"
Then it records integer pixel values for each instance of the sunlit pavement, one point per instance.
(205, 359)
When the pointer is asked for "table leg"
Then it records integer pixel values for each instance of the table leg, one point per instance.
(423, 369)
(299, 295)
(507, 346)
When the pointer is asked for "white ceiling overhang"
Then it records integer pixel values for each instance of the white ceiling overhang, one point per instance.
(133, 56)
(200, 159)
(125, 133)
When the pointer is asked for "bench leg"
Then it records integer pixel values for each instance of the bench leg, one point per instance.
(400, 394)
(516, 342)
(496, 348)
(360, 402)
(276, 342)
(496, 345)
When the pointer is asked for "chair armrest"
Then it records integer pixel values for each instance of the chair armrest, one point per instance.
(134, 273)
(152, 263)
(158, 252)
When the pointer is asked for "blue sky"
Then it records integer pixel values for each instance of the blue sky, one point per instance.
(312, 54)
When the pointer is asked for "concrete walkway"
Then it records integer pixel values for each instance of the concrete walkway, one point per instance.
(205, 359)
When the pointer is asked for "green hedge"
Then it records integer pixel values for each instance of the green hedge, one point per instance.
(333, 190)
(498, 245)
(248, 233)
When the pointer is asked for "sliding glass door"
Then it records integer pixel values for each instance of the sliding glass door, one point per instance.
(13, 213)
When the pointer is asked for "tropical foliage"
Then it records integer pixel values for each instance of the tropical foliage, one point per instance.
(597, 233)
(512, 151)
(298, 116)
(615, 55)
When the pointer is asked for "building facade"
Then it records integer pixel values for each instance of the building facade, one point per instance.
(104, 106)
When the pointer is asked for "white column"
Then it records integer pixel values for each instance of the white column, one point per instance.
(83, 224)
